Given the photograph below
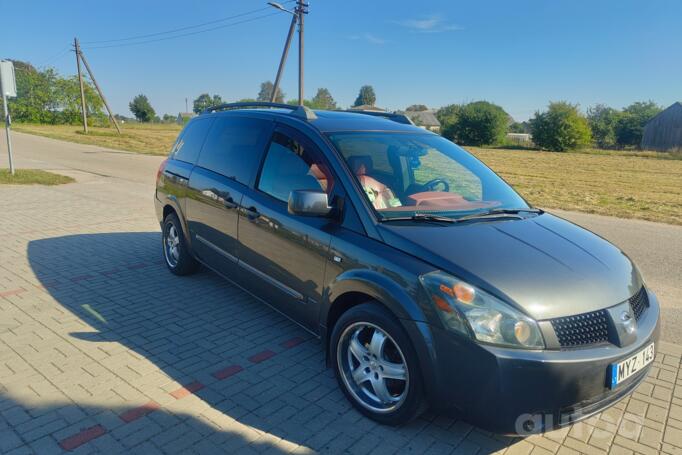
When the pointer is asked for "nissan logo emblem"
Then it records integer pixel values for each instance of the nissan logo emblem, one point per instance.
(628, 322)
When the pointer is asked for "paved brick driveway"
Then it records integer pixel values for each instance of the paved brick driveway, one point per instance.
(102, 350)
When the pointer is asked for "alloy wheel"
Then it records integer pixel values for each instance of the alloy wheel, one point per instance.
(172, 246)
(373, 367)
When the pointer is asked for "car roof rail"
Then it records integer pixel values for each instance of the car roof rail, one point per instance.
(399, 118)
(298, 111)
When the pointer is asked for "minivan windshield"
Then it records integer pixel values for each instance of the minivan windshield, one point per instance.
(404, 174)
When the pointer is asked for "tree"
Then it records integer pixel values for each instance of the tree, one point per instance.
(323, 100)
(46, 97)
(168, 118)
(602, 120)
(519, 127)
(204, 101)
(306, 103)
(560, 128)
(67, 97)
(481, 123)
(417, 108)
(366, 96)
(630, 124)
(142, 109)
(448, 116)
(265, 93)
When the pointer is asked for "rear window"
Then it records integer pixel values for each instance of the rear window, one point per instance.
(189, 143)
(234, 146)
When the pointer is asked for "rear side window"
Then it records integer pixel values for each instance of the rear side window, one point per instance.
(234, 147)
(189, 144)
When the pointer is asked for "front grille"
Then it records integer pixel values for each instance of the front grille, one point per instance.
(582, 329)
(639, 302)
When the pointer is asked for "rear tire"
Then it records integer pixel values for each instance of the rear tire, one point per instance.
(376, 365)
(176, 255)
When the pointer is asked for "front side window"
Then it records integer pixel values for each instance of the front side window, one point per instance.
(289, 165)
(234, 147)
(189, 144)
(422, 172)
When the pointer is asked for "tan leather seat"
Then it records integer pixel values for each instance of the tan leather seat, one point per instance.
(380, 195)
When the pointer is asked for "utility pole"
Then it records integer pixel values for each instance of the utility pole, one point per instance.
(186, 105)
(301, 11)
(283, 60)
(77, 48)
(297, 15)
(101, 95)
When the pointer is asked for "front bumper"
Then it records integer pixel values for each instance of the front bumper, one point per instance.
(502, 389)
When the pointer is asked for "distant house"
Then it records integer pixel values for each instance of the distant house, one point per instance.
(184, 117)
(520, 138)
(664, 131)
(424, 119)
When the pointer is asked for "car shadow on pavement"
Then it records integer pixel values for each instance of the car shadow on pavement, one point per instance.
(195, 362)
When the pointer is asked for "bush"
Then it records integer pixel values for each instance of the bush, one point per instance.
(560, 128)
(481, 123)
(477, 123)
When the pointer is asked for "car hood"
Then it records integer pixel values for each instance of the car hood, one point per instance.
(547, 266)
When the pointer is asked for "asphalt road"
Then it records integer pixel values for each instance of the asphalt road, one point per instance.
(656, 248)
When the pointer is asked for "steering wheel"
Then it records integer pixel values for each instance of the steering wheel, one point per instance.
(432, 184)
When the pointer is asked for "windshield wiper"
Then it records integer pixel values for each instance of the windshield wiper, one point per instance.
(500, 213)
(419, 217)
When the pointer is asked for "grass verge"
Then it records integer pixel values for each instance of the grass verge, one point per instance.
(32, 177)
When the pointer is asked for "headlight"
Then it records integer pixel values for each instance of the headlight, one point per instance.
(467, 309)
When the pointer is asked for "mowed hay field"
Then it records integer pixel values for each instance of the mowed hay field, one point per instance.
(613, 183)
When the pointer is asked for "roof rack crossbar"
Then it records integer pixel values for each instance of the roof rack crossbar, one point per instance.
(398, 118)
(298, 111)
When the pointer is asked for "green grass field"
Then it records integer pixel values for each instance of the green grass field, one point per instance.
(628, 184)
(32, 177)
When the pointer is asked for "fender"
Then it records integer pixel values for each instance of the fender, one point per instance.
(403, 305)
(379, 287)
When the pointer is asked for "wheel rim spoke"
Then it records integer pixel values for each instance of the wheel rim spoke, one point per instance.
(381, 391)
(393, 370)
(357, 349)
(376, 346)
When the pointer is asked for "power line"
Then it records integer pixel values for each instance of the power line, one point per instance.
(185, 34)
(189, 27)
(56, 57)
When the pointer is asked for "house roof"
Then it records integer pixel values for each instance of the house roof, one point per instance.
(423, 118)
(675, 105)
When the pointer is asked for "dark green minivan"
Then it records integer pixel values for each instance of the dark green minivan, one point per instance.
(428, 279)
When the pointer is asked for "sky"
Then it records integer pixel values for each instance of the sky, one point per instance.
(519, 54)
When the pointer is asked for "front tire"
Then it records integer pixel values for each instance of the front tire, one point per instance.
(176, 255)
(376, 365)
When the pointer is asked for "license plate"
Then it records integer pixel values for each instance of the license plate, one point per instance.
(622, 370)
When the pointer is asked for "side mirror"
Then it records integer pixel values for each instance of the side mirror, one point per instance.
(309, 203)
